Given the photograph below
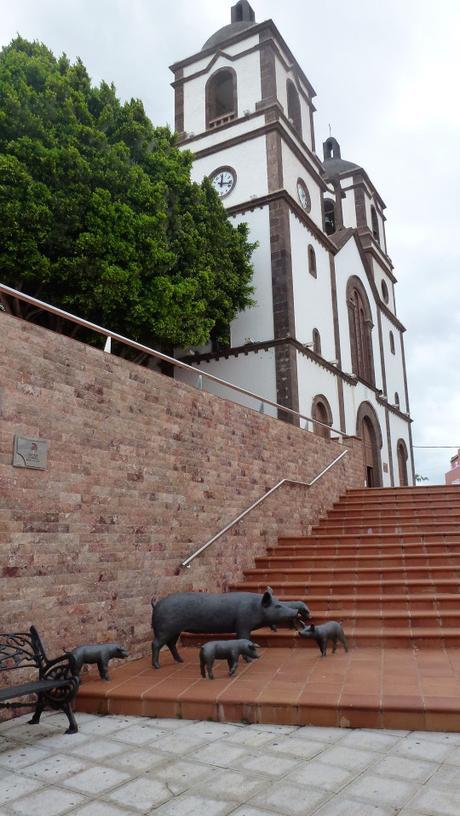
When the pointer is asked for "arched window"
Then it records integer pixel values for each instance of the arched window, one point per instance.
(375, 224)
(329, 216)
(385, 294)
(316, 341)
(312, 261)
(360, 325)
(392, 343)
(321, 411)
(221, 98)
(396, 402)
(293, 103)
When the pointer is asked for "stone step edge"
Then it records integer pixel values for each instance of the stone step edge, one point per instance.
(376, 556)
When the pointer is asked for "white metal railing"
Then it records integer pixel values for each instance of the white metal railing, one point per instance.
(241, 516)
(110, 335)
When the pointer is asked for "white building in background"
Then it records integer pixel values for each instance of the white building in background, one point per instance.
(323, 337)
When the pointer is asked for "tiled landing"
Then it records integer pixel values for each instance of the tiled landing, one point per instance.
(417, 688)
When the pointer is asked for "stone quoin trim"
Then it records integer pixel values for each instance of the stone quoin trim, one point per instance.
(274, 161)
(283, 305)
(389, 446)
(267, 70)
(179, 109)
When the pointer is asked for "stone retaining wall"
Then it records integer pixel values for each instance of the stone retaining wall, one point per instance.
(141, 471)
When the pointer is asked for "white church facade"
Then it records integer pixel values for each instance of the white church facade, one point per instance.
(323, 337)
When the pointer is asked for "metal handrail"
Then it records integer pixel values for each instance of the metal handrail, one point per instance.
(225, 529)
(80, 321)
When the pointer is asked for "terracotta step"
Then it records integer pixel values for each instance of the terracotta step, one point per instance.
(379, 587)
(372, 618)
(397, 527)
(448, 511)
(386, 635)
(391, 538)
(349, 548)
(387, 491)
(351, 573)
(428, 602)
(402, 560)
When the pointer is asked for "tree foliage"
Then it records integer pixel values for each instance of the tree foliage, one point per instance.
(98, 212)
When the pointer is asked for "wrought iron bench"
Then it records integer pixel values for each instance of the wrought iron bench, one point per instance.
(57, 682)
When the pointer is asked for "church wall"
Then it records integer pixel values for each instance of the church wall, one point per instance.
(293, 169)
(257, 322)
(394, 369)
(142, 470)
(248, 160)
(379, 276)
(349, 209)
(255, 372)
(248, 89)
(312, 296)
(217, 135)
(313, 380)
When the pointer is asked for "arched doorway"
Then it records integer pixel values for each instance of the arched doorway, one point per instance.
(402, 462)
(368, 428)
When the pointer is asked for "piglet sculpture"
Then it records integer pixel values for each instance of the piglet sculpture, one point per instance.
(99, 653)
(324, 632)
(229, 650)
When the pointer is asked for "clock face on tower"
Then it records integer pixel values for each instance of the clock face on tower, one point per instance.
(303, 195)
(223, 180)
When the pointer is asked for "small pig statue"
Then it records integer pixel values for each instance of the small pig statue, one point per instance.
(202, 612)
(324, 632)
(99, 653)
(228, 650)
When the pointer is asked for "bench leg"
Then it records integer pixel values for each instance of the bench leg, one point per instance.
(73, 727)
(38, 711)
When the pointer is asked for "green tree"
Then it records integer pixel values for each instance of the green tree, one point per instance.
(99, 215)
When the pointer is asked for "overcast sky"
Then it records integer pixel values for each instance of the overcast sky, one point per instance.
(386, 76)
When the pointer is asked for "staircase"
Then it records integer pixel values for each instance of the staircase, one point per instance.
(385, 562)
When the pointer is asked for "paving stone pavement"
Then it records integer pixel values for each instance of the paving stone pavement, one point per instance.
(123, 766)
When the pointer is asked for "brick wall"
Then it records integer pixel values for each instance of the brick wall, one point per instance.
(141, 471)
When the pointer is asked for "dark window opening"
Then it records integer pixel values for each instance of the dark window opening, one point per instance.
(329, 216)
(312, 261)
(294, 113)
(385, 294)
(392, 343)
(396, 402)
(316, 341)
(375, 224)
(220, 338)
(221, 98)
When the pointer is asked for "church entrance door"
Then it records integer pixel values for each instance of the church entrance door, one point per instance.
(402, 464)
(370, 454)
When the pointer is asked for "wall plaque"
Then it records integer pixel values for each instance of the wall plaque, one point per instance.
(30, 453)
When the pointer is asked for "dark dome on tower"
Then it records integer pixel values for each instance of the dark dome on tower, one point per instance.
(242, 17)
(333, 163)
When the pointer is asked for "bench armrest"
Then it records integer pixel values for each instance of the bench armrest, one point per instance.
(60, 668)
